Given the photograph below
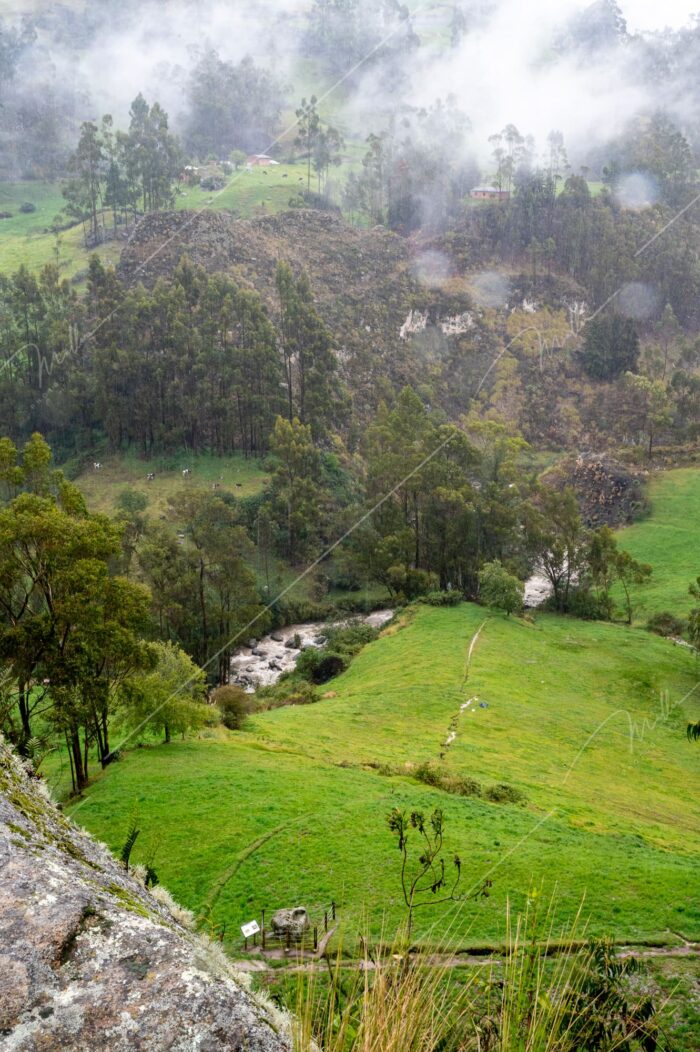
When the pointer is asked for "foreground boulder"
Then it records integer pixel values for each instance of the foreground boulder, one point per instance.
(89, 959)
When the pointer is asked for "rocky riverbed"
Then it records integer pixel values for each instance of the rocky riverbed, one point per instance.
(262, 661)
(537, 590)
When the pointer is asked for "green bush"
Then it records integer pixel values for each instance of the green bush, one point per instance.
(453, 598)
(342, 643)
(504, 794)
(234, 705)
(410, 583)
(583, 603)
(321, 665)
(459, 785)
(285, 693)
(349, 639)
(666, 624)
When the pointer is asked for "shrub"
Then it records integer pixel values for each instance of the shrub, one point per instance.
(321, 665)
(666, 624)
(234, 705)
(287, 691)
(458, 785)
(290, 611)
(410, 583)
(504, 794)
(585, 604)
(349, 639)
(445, 598)
(342, 643)
(500, 589)
(27, 206)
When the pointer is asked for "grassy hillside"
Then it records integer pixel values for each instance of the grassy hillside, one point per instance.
(669, 539)
(293, 810)
(250, 192)
(236, 474)
(26, 239)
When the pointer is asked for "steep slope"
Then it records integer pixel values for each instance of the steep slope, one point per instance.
(90, 959)
(389, 318)
(585, 721)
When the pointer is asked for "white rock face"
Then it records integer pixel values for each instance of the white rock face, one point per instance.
(415, 322)
(457, 324)
(453, 325)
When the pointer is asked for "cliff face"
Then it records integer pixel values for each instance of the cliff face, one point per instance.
(91, 960)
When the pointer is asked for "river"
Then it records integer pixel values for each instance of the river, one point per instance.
(263, 663)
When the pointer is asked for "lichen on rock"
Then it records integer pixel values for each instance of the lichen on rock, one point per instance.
(90, 959)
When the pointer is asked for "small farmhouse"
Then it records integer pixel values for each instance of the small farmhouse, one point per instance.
(259, 160)
(491, 193)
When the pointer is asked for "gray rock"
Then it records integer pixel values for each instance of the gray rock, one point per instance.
(90, 959)
(292, 922)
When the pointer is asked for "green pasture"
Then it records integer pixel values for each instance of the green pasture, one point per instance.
(293, 809)
(669, 540)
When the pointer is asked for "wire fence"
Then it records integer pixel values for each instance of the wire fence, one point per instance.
(304, 940)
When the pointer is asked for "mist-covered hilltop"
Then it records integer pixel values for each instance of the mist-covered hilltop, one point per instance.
(231, 75)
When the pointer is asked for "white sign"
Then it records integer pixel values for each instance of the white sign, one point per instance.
(252, 928)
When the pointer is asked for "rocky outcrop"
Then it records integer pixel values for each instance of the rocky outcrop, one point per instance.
(385, 317)
(89, 959)
(293, 922)
(607, 493)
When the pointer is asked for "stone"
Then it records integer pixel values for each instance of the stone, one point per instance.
(293, 922)
(90, 959)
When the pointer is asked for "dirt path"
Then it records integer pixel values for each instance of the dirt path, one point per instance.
(230, 872)
(446, 961)
(454, 722)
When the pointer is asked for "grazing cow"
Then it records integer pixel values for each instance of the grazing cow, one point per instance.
(239, 485)
(216, 485)
(186, 472)
(150, 476)
(96, 466)
(284, 175)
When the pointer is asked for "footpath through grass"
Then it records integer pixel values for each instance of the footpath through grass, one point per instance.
(292, 811)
